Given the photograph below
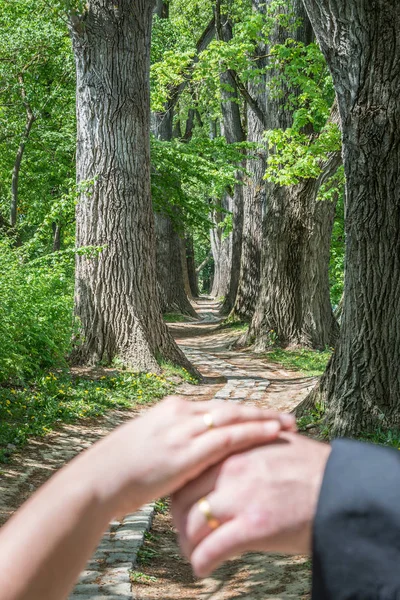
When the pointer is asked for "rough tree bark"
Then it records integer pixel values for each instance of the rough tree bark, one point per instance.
(170, 274)
(233, 132)
(294, 302)
(253, 193)
(221, 248)
(185, 269)
(220, 243)
(361, 387)
(116, 298)
(191, 267)
(293, 306)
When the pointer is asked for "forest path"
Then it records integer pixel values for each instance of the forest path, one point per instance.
(228, 374)
(235, 376)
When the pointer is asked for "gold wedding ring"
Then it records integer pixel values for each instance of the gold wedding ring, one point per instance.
(204, 507)
(208, 420)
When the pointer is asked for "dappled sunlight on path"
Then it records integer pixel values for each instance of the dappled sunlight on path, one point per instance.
(245, 378)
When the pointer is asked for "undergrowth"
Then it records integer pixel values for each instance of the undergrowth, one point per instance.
(315, 419)
(36, 307)
(234, 325)
(174, 318)
(55, 398)
(312, 418)
(310, 362)
(389, 437)
(174, 371)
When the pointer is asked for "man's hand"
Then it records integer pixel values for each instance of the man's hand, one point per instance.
(264, 500)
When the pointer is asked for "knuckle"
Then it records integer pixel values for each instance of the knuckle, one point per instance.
(229, 439)
(234, 465)
(175, 404)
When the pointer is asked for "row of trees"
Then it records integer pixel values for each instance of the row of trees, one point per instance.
(246, 141)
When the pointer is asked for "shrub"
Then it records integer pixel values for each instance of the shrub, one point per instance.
(36, 303)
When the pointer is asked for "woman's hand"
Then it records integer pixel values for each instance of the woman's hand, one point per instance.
(148, 457)
(171, 444)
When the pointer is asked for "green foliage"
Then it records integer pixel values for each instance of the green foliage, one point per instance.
(384, 437)
(56, 398)
(36, 299)
(301, 76)
(175, 372)
(141, 578)
(297, 152)
(293, 156)
(312, 418)
(189, 175)
(161, 506)
(309, 362)
(146, 553)
(167, 74)
(336, 266)
(174, 318)
(36, 70)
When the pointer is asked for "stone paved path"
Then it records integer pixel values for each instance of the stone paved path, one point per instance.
(249, 379)
(239, 387)
(107, 574)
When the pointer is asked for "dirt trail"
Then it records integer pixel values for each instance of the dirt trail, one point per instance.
(243, 377)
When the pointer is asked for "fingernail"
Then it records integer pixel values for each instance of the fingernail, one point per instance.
(272, 427)
(287, 420)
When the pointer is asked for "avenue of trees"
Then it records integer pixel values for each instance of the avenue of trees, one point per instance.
(245, 149)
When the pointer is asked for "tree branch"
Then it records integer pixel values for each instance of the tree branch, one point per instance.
(204, 263)
(30, 118)
(239, 84)
(206, 37)
(260, 114)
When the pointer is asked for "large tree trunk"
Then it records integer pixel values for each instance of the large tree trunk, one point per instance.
(233, 132)
(294, 307)
(220, 242)
(254, 200)
(185, 270)
(253, 194)
(221, 248)
(361, 387)
(191, 266)
(116, 298)
(170, 275)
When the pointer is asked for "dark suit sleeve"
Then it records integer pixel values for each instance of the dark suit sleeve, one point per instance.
(356, 541)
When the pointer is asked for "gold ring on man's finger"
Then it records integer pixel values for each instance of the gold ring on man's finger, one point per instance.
(205, 509)
(208, 420)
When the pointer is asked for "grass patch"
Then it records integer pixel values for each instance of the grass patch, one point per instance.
(309, 362)
(383, 437)
(57, 398)
(141, 578)
(234, 325)
(174, 372)
(145, 554)
(312, 418)
(175, 318)
(161, 506)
